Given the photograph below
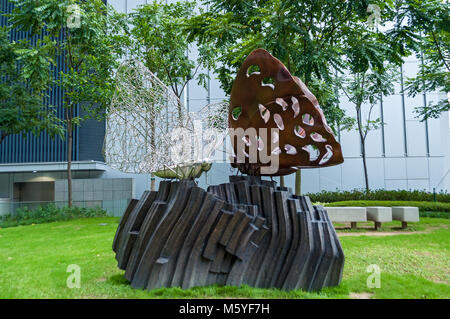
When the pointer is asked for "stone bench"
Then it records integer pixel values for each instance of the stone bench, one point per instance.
(405, 214)
(379, 214)
(350, 215)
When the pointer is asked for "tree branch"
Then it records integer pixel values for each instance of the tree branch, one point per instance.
(368, 121)
(333, 29)
(186, 82)
(174, 89)
(438, 47)
(345, 92)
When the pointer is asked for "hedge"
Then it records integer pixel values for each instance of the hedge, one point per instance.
(46, 214)
(423, 206)
(435, 214)
(380, 194)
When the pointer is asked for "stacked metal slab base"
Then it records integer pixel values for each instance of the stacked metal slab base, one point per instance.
(247, 231)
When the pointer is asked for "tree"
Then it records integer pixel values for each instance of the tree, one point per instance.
(371, 63)
(22, 91)
(307, 36)
(429, 23)
(80, 32)
(159, 41)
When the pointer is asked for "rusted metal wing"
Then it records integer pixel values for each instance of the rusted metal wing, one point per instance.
(266, 95)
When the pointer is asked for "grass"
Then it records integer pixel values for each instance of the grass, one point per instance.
(423, 206)
(34, 260)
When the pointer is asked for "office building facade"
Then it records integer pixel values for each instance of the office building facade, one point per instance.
(33, 168)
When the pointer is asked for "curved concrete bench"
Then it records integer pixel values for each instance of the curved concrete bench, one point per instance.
(405, 214)
(379, 214)
(350, 215)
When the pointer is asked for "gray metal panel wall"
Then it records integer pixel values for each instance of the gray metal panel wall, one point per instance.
(91, 136)
(29, 148)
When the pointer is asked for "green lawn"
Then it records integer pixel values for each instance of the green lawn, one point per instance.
(34, 260)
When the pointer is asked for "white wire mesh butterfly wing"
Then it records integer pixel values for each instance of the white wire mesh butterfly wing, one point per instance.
(142, 115)
(148, 130)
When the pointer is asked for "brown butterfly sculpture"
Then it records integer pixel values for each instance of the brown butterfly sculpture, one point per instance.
(266, 97)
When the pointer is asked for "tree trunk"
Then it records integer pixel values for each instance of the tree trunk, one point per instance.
(362, 137)
(69, 157)
(298, 182)
(2, 137)
(366, 177)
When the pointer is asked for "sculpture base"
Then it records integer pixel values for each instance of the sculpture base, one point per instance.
(248, 231)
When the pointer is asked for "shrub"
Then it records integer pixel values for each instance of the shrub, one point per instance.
(379, 194)
(49, 213)
(435, 214)
(423, 206)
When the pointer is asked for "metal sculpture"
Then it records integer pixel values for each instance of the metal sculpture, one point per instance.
(266, 95)
(247, 231)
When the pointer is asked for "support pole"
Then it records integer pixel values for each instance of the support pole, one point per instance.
(298, 182)
(152, 182)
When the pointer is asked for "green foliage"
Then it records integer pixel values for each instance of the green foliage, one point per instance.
(378, 194)
(423, 206)
(22, 93)
(307, 36)
(236, 112)
(435, 214)
(428, 24)
(157, 38)
(90, 50)
(46, 214)
(369, 61)
(364, 90)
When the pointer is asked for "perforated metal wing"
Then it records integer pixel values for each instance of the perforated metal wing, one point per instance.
(266, 95)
